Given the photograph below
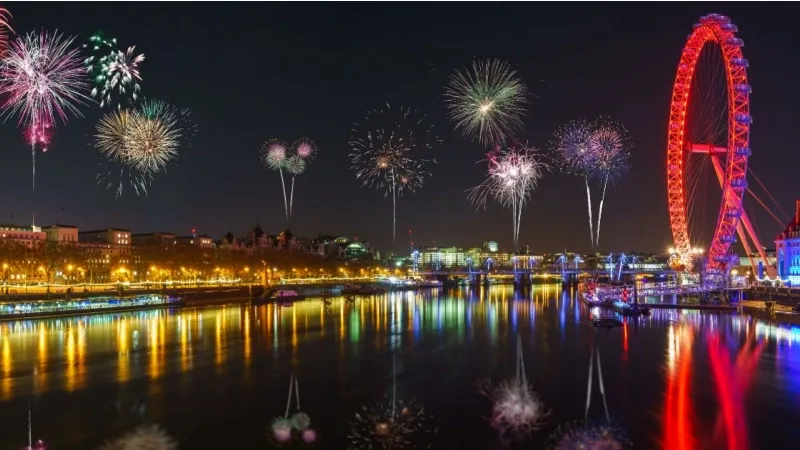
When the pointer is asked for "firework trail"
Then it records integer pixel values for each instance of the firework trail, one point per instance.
(513, 174)
(573, 144)
(611, 146)
(114, 72)
(516, 408)
(274, 156)
(42, 78)
(389, 151)
(487, 103)
(305, 150)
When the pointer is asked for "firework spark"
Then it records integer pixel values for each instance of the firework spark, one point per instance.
(610, 146)
(512, 176)
(274, 155)
(41, 78)
(516, 408)
(487, 103)
(390, 150)
(114, 72)
(149, 437)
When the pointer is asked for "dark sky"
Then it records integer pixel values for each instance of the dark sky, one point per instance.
(250, 72)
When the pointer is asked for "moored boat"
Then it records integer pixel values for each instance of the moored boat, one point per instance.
(626, 309)
(283, 297)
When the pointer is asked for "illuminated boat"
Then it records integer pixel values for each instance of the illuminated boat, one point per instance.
(92, 305)
(626, 309)
(283, 297)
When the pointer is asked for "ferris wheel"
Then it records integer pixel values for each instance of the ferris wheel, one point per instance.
(709, 132)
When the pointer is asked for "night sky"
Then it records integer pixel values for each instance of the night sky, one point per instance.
(250, 72)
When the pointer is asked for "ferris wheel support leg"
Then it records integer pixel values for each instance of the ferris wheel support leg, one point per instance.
(745, 220)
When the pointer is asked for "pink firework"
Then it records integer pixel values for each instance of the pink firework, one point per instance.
(305, 148)
(42, 77)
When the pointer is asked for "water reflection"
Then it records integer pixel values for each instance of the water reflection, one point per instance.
(697, 371)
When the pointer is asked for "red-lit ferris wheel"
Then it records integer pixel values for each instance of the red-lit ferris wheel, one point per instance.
(709, 129)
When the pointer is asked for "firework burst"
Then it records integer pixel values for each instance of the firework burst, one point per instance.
(41, 78)
(139, 143)
(487, 103)
(390, 150)
(149, 437)
(516, 408)
(593, 150)
(114, 72)
(611, 146)
(305, 148)
(512, 176)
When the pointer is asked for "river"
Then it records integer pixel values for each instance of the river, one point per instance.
(216, 377)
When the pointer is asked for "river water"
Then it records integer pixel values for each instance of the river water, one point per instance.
(216, 377)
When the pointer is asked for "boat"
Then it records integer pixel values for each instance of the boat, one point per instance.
(626, 309)
(92, 305)
(282, 297)
(590, 299)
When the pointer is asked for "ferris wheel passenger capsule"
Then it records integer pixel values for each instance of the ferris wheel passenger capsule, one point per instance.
(744, 118)
(730, 27)
(743, 151)
(741, 62)
(739, 183)
(735, 41)
(743, 88)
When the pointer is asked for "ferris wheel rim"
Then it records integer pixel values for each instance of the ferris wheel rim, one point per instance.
(712, 28)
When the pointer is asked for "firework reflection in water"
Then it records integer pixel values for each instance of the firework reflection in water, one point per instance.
(516, 408)
(586, 435)
(283, 428)
(39, 445)
(147, 437)
(392, 423)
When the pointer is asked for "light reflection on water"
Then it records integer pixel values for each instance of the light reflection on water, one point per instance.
(684, 360)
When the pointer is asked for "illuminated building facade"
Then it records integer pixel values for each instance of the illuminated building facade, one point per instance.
(787, 247)
(25, 235)
(63, 234)
(444, 258)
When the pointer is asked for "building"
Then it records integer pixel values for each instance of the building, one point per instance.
(30, 236)
(157, 239)
(202, 241)
(787, 247)
(117, 237)
(63, 234)
(442, 258)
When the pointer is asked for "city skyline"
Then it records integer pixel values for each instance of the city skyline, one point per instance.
(320, 88)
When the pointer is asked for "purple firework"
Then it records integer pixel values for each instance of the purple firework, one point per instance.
(305, 148)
